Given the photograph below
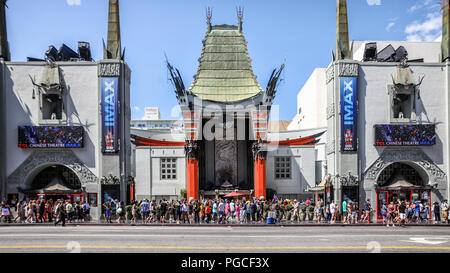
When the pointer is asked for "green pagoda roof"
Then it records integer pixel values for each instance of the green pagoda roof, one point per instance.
(225, 72)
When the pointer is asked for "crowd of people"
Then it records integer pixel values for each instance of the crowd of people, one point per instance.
(226, 211)
(231, 211)
(46, 211)
(402, 212)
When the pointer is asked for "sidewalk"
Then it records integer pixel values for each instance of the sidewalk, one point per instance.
(102, 223)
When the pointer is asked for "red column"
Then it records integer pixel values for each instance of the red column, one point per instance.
(260, 177)
(192, 178)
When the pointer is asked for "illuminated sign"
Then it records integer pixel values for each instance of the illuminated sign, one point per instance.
(348, 113)
(110, 115)
(50, 136)
(405, 135)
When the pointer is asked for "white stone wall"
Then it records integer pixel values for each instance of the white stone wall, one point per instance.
(312, 101)
(302, 169)
(148, 176)
(82, 108)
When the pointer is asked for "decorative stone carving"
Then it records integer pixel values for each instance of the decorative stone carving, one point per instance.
(259, 150)
(191, 149)
(330, 74)
(45, 157)
(330, 110)
(110, 180)
(348, 70)
(389, 156)
(109, 70)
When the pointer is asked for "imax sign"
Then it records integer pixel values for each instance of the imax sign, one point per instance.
(110, 115)
(348, 86)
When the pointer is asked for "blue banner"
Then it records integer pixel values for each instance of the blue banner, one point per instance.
(110, 115)
(349, 114)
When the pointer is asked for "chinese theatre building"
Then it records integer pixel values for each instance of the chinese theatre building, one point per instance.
(226, 145)
(387, 118)
(62, 125)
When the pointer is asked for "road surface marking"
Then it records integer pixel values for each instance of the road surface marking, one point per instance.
(225, 247)
(426, 241)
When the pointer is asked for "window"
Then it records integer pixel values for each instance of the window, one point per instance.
(402, 104)
(282, 168)
(168, 168)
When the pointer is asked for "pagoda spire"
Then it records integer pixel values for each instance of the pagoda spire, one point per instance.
(343, 51)
(113, 49)
(4, 47)
(445, 43)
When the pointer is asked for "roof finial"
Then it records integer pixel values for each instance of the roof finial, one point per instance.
(445, 42)
(240, 15)
(114, 47)
(343, 50)
(208, 18)
(4, 47)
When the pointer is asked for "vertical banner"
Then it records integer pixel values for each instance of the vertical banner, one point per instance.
(349, 114)
(110, 115)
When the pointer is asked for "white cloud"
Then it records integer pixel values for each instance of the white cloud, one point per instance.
(136, 108)
(73, 2)
(422, 4)
(373, 2)
(389, 26)
(428, 30)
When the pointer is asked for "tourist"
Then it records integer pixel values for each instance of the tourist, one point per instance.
(444, 210)
(221, 210)
(61, 212)
(402, 213)
(390, 214)
(134, 212)
(436, 211)
(368, 211)
(344, 211)
(5, 212)
(318, 211)
(69, 211)
(107, 207)
(20, 208)
(333, 212)
(86, 211)
(145, 211)
(120, 213)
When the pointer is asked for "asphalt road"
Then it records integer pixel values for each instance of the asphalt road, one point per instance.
(214, 239)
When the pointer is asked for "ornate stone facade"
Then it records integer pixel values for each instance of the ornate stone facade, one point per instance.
(109, 70)
(348, 70)
(417, 156)
(330, 111)
(330, 73)
(41, 158)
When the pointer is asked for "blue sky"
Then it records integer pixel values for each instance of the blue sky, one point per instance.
(300, 32)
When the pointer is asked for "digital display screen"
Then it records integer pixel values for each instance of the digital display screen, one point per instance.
(405, 135)
(50, 136)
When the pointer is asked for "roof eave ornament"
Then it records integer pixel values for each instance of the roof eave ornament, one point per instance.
(177, 81)
(272, 84)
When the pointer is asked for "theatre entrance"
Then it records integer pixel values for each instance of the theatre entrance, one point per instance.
(56, 182)
(401, 182)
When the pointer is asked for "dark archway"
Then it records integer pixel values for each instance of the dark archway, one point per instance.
(56, 174)
(398, 169)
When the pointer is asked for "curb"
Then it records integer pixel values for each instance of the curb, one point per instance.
(222, 225)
